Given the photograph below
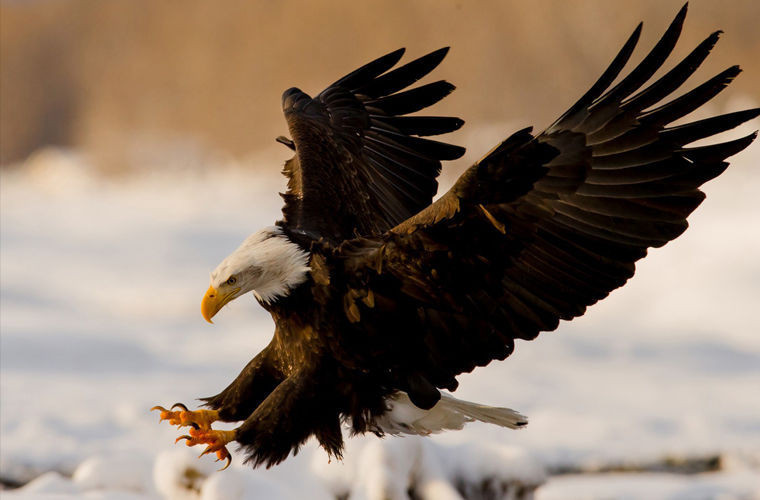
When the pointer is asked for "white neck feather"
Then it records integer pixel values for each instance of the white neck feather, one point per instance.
(284, 265)
(268, 263)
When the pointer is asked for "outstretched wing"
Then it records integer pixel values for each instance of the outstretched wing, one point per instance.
(361, 166)
(544, 226)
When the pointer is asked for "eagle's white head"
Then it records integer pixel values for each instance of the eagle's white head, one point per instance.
(266, 263)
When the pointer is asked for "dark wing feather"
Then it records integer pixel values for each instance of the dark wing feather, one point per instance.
(361, 166)
(544, 226)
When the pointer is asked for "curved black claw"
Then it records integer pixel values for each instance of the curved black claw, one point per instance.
(221, 453)
(180, 405)
(186, 437)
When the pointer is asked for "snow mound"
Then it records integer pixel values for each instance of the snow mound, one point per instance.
(122, 472)
(50, 482)
(180, 475)
(391, 468)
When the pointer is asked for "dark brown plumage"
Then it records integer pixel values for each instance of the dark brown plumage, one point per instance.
(404, 295)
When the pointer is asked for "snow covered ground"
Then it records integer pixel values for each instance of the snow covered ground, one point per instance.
(101, 284)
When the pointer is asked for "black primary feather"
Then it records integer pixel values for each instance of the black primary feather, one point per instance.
(353, 138)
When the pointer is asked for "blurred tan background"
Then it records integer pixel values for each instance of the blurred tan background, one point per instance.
(113, 77)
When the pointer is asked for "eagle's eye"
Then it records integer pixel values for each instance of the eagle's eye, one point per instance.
(231, 280)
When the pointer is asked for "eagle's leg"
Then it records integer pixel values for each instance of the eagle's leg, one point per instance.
(257, 380)
(235, 403)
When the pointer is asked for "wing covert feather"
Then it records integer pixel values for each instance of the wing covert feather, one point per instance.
(544, 226)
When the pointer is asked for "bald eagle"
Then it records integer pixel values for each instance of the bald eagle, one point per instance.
(381, 297)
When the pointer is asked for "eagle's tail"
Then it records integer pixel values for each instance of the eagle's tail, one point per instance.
(449, 413)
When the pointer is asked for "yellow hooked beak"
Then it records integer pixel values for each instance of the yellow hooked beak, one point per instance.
(213, 301)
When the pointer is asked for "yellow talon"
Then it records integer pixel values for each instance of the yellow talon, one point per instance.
(217, 443)
(199, 419)
(201, 431)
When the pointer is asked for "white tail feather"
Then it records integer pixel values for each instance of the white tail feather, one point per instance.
(449, 413)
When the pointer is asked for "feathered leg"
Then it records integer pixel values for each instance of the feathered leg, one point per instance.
(299, 407)
(257, 380)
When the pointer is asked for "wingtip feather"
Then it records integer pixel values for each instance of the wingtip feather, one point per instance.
(681, 14)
